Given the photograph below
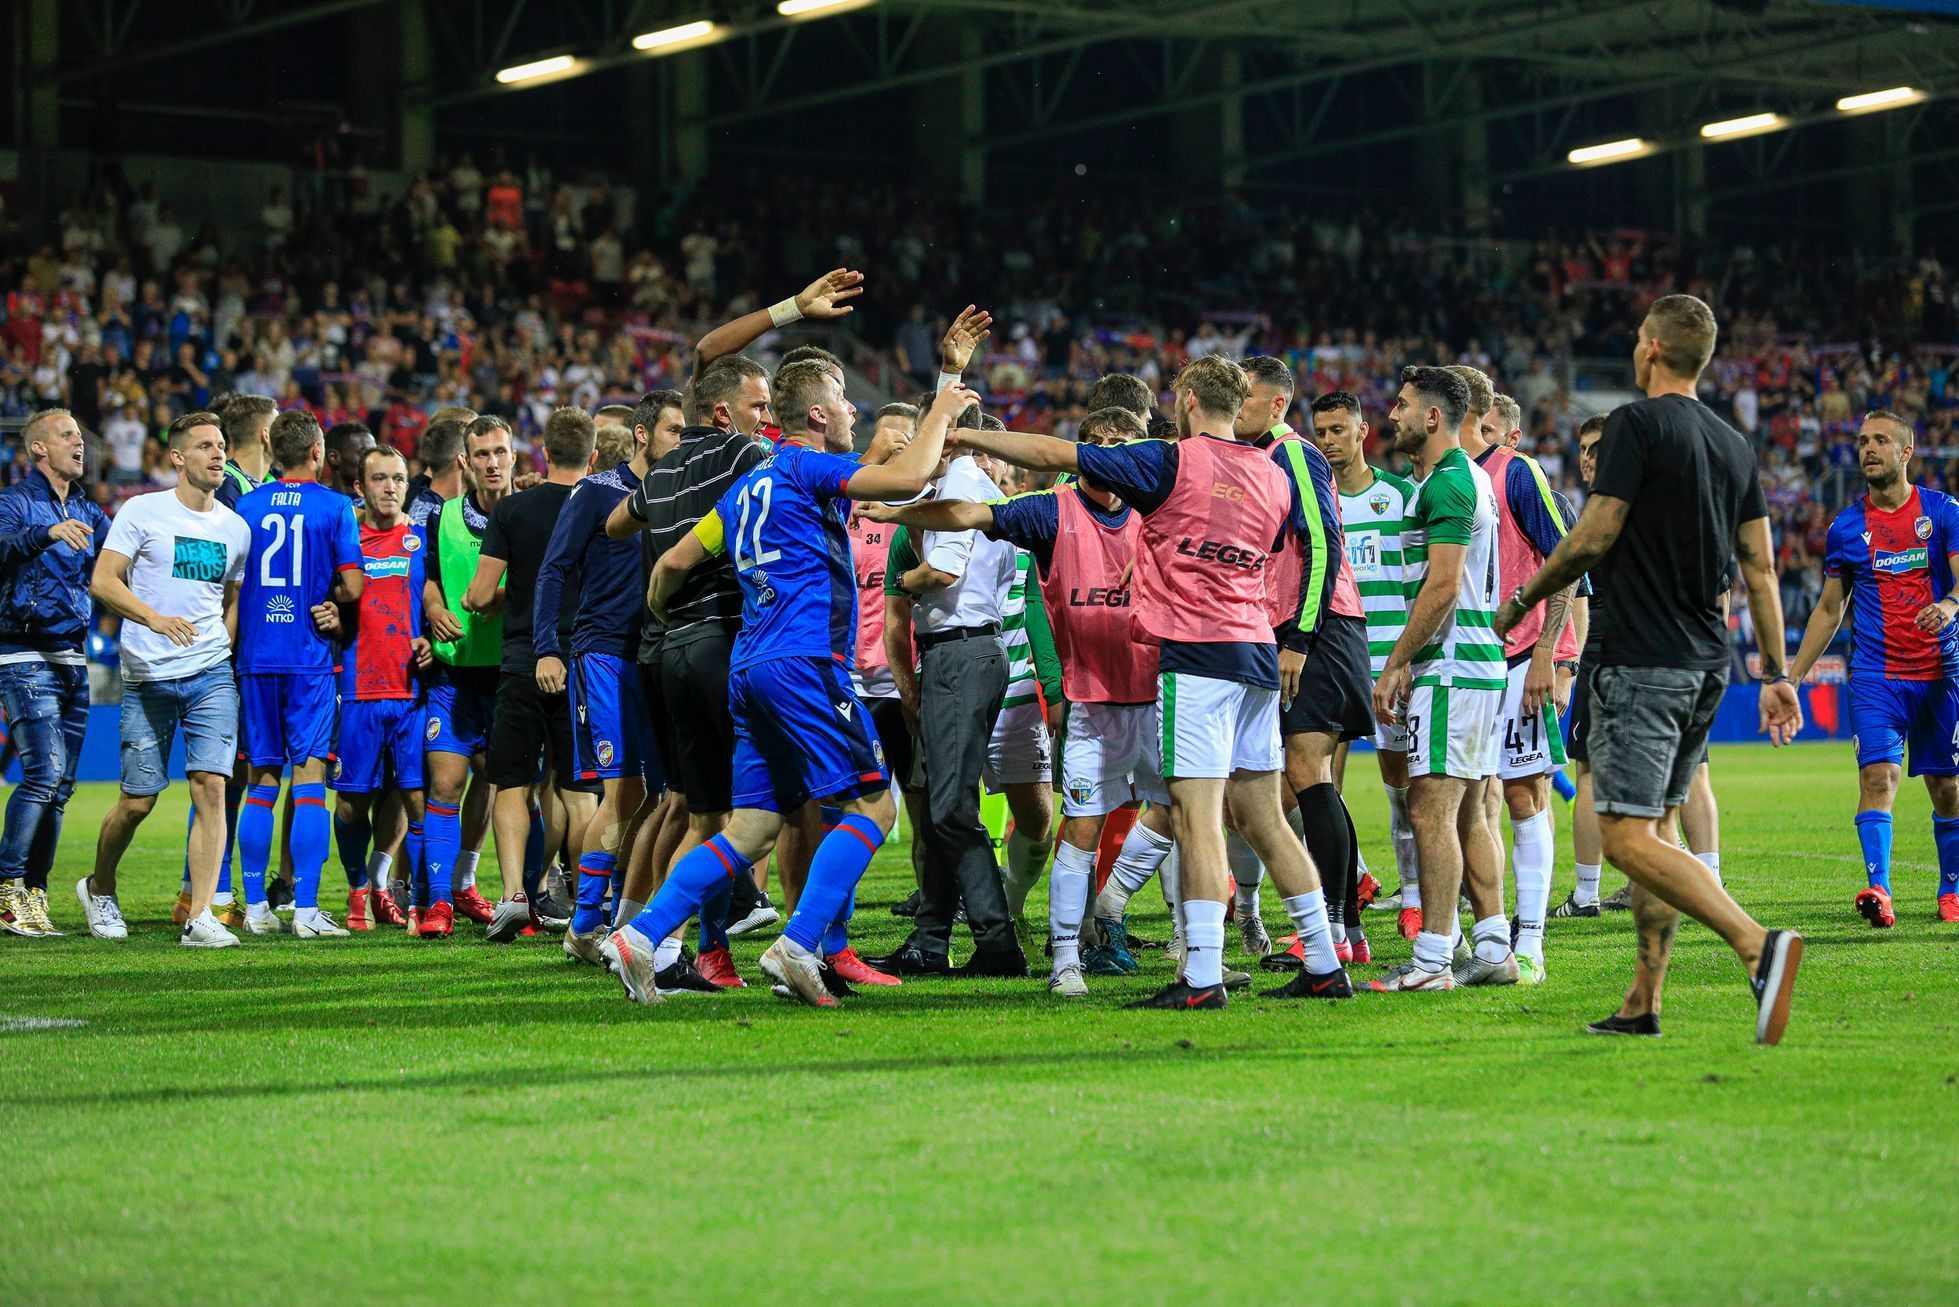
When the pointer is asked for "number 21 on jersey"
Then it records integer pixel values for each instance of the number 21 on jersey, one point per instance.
(283, 531)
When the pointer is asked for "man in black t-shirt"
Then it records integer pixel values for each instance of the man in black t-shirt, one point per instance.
(529, 724)
(1676, 497)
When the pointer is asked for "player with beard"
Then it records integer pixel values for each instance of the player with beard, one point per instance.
(1893, 556)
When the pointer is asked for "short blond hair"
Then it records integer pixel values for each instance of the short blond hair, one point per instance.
(1218, 383)
(1482, 392)
(1685, 330)
(615, 444)
(1509, 412)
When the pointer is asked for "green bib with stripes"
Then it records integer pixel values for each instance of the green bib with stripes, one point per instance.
(1454, 504)
(1021, 684)
(1371, 521)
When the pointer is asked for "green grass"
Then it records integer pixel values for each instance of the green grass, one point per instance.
(374, 1119)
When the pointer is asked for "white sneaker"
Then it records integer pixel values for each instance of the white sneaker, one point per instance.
(1173, 952)
(585, 948)
(1252, 934)
(790, 964)
(762, 914)
(1477, 971)
(311, 923)
(629, 956)
(1067, 982)
(205, 932)
(508, 920)
(104, 917)
(1386, 902)
(262, 920)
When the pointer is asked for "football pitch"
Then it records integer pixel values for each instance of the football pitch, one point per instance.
(377, 1119)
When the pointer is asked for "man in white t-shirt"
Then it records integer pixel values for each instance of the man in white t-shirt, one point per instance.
(125, 435)
(171, 568)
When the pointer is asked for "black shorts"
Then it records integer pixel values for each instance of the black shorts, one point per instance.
(531, 726)
(657, 723)
(894, 736)
(694, 687)
(1336, 689)
(1578, 719)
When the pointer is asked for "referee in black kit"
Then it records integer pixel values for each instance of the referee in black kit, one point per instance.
(1675, 498)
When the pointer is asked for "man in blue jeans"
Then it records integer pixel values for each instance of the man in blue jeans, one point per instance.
(50, 532)
(170, 569)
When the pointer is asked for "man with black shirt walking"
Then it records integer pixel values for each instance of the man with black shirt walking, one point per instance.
(529, 722)
(1676, 496)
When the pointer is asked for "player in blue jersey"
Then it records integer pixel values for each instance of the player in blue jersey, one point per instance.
(1893, 555)
(801, 732)
(306, 557)
(611, 729)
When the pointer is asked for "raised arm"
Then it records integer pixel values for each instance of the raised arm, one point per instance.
(935, 515)
(823, 298)
(907, 473)
(1021, 448)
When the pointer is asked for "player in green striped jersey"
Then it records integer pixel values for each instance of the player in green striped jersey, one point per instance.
(1444, 679)
(1372, 506)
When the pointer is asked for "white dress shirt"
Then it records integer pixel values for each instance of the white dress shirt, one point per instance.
(984, 567)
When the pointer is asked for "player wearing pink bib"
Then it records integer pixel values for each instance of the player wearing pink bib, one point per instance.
(1213, 512)
(1083, 541)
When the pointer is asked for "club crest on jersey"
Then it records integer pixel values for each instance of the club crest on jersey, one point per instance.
(605, 753)
(1923, 528)
(1379, 503)
(435, 729)
(411, 542)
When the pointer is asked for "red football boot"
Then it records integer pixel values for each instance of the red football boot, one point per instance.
(1341, 949)
(1367, 889)
(1409, 922)
(1363, 952)
(438, 922)
(357, 910)
(1949, 907)
(857, 971)
(385, 911)
(1874, 905)
(717, 967)
(474, 906)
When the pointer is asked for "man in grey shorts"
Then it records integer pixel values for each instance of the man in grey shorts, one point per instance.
(170, 568)
(1675, 497)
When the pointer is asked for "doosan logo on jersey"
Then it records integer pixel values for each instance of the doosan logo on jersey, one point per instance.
(1251, 560)
(1098, 596)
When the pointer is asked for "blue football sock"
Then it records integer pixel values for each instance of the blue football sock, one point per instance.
(829, 816)
(1945, 834)
(837, 938)
(418, 872)
(256, 822)
(833, 874)
(1874, 833)
(1563, 785)
(714, 917)
(711, 867)
(594, 879)
(351, 839)
(442, 842)
(233, 796)
(534, 852)
(312, 833)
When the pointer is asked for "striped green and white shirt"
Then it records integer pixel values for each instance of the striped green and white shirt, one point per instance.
(1021, 683)
(1454, 504)
(1372, 520)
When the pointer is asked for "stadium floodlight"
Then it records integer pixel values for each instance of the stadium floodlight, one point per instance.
(819, 8)
(1610, 151)
(684, 37)
(530, 72)
(1752, 125)
(1872, 101)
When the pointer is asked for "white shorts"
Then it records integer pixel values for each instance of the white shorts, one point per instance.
(1452, 732)
(1390, 737)
(1212, 728)
(1530, 746)
(1021, 749)
(1109, 758)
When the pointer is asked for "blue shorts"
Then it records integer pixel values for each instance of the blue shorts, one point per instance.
(801, 733)
(1885, 715)
(203, 705)
(378, 745)
(459, 717)
(611, 735)
(288, 716)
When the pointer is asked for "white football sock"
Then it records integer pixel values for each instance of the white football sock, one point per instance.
(1712, 861)
(1025, 860)
(1402, 831)
(666, 952)
(1074, 872)
(1308, 913)
(1247, 872)
(465, 870)
(1531, 854)
(222, 899)
(628, 909)
(1170, 881)
(1432, 951)
(379, 864)
(1203, 943)
(1143, 852)
(1492, 937)
(1587, 873)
